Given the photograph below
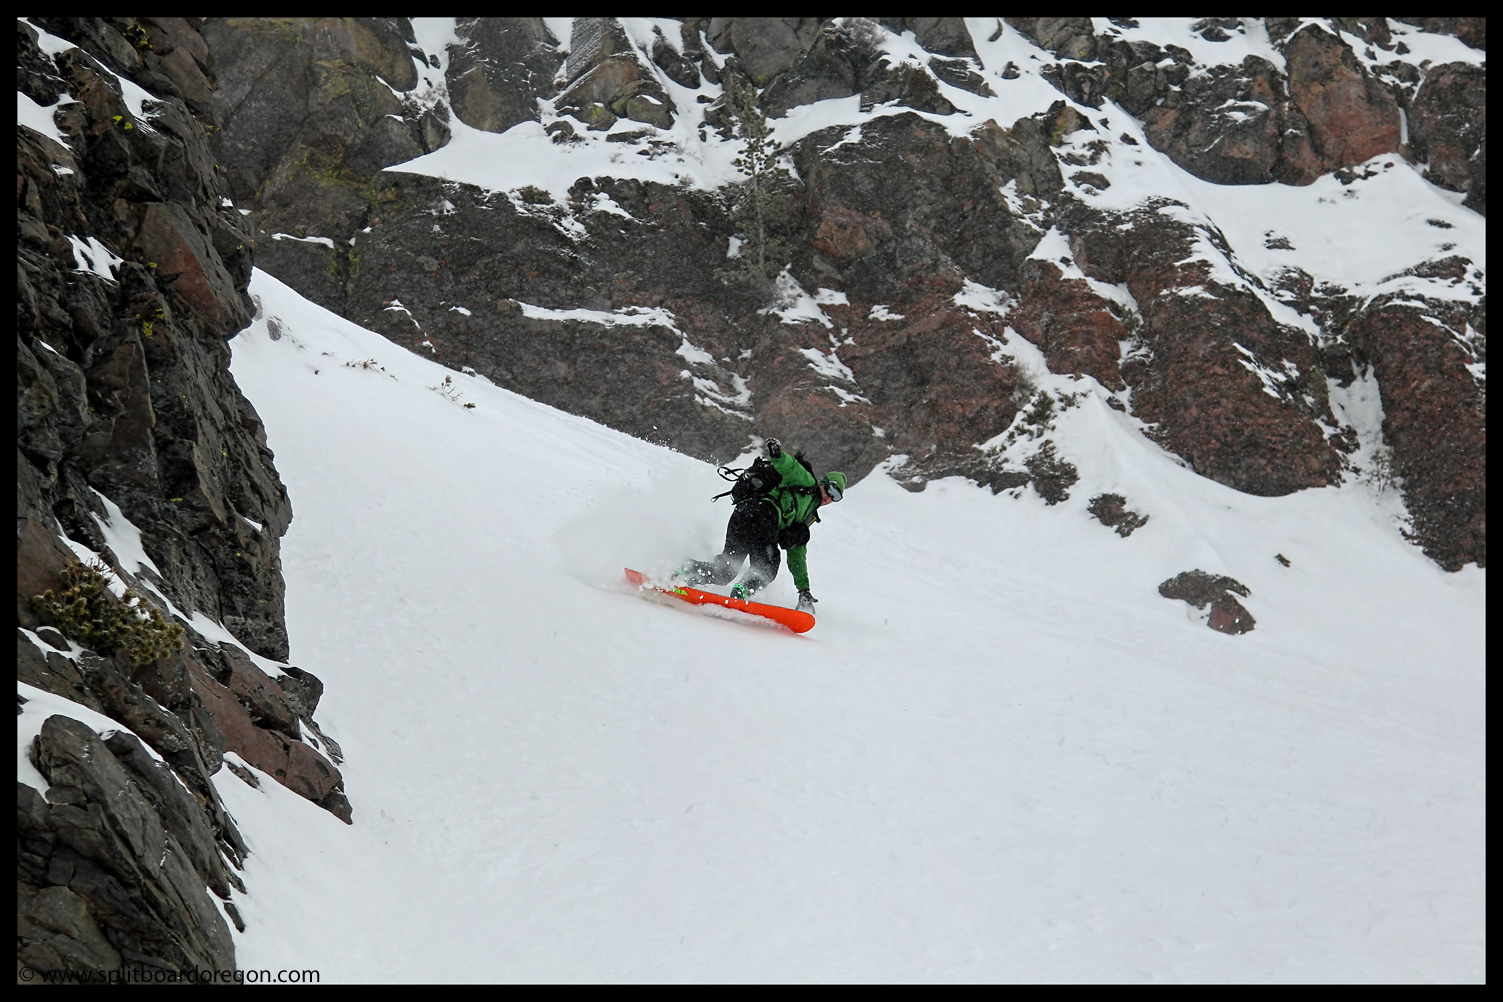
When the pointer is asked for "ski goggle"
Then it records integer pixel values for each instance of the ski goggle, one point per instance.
(831, 489)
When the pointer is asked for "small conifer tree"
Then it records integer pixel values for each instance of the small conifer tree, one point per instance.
(128, 626)
(761, 204)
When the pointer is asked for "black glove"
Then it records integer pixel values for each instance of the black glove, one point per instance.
(774, 448)
(806, 602)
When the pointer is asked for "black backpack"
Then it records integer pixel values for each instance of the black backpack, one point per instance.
(760, 479)
(753, 482)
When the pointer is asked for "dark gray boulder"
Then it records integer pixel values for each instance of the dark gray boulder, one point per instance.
(764, 46)
(105, 842)
(499, 70)
(1111, 511)
(946, 36)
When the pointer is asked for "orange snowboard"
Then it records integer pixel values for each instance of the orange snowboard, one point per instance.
(798, 622)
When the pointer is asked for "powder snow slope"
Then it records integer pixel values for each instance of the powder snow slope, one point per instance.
(999, 756)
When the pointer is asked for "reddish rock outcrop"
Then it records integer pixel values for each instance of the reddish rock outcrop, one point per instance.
(1228, 387)
(1246, 123)
(1076, 329)
(1232, 125)
(1448, 129)
(1222, 396)
(1200, 589)
(186, 263)
(907, 208)
(1228, 616)
(845, 235)
(291, 762)
(1352, 116)
(932, 378)
(1435, 417)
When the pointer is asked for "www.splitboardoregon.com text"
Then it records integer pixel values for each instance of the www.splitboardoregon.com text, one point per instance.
(141, 975)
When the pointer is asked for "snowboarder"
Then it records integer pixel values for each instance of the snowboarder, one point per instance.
(765, 521)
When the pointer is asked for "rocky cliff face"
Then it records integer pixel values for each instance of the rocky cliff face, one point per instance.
(937, 234)
(137, 451)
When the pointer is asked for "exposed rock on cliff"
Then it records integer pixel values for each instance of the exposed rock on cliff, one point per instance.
(132, 278)
(115, 861)
(907, 211)
(136, 448)
(1448, 129)
(308, 109)
(1200, 589)
(609, 80)
(1111, 511)
(1335, 102)
(929, 234)
(1435, 416)
(498, 71)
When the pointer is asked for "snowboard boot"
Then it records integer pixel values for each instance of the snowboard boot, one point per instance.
(694, 573)
(746, 588)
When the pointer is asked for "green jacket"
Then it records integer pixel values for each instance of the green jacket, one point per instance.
(795, 507)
